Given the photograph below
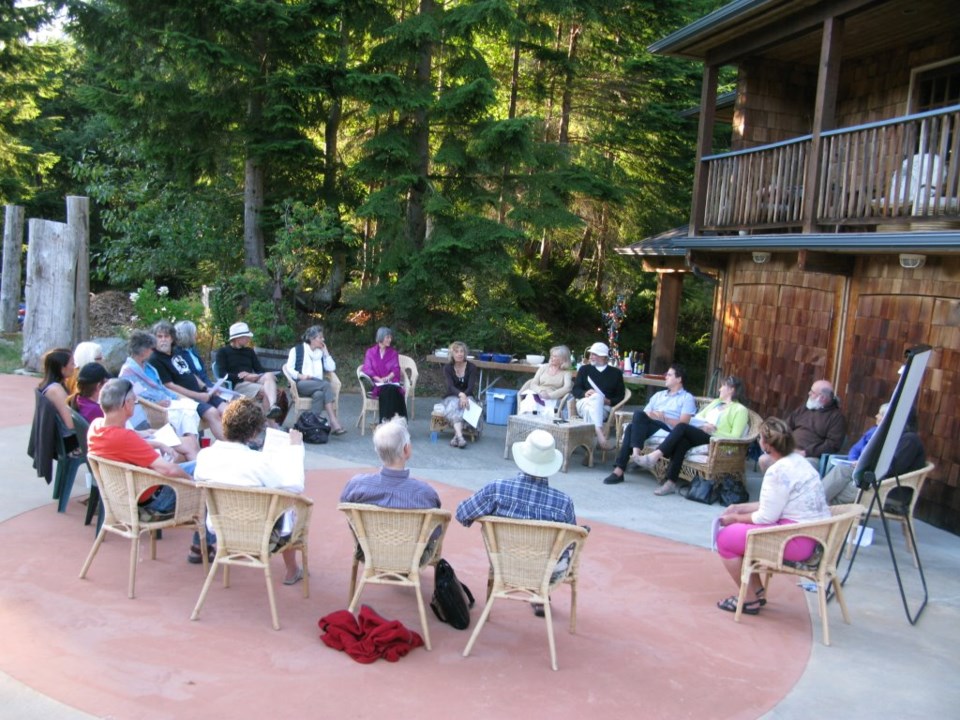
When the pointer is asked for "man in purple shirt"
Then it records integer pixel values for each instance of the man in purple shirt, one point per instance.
(391, 486)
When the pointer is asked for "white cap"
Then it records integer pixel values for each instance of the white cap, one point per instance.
(598, 348)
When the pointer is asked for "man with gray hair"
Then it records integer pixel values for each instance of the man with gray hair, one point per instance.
(391, 486)
(110, 439)
(818, 426)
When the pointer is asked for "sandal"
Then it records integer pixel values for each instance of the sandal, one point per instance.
(749, 608)
(461, 443)
(194, 558)
(454, 442)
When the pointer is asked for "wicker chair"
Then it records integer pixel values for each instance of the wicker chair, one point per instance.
(243, 519)
(523, 559)
(570, 402)
(895, 508)
(408, 369)
(394, 544)
(120, 487)
(299, 404)
(764, 555)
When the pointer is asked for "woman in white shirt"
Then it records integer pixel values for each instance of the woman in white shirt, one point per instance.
(791, 492)
(233, 461)
(307, 363)
(551, 382)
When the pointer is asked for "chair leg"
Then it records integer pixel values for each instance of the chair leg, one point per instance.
(476, 631)
(841, 601)
(573, 606)
(273, 601)
(548, 618)
(134, 556)
(203, 592)
(69, 477)
(353, 577)
(93, 553)
(93, 502)
(423, 617)
(907, 524)
(306, 571)
(744, 583)
(355, 600)
(824, 620)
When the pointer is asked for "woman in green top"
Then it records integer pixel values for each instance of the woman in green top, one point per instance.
(725, 417)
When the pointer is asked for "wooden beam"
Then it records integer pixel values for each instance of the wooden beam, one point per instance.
(665, 319)
(708, 112)
(658, 263)
(824, 114)
(716, 261)
(828, 263)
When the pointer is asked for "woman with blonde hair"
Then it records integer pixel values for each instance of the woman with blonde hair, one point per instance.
(460, 376)
(550, 383)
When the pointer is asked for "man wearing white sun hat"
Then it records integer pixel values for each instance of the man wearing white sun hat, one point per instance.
(239, 362)
(527, 495)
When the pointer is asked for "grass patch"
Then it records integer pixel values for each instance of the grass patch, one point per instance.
(11, 347)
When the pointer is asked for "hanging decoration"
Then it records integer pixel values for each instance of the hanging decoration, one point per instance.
(613, 318)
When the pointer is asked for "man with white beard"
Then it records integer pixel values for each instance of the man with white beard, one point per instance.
(818, 427)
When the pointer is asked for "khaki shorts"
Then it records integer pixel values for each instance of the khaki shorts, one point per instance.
(248, 389)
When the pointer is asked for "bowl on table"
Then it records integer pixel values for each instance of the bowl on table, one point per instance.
(501, 358)
(535, 359)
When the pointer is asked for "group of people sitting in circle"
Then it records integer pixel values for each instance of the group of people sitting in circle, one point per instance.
(167, 372)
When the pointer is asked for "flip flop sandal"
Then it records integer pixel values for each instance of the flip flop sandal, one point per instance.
(749, 608)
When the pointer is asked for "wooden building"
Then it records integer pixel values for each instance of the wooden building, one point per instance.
(833, 225)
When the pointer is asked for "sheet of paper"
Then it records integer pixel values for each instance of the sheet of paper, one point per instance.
(472, 414)
(714, 531)
(167, 435)
(224, 392)
(275, 439)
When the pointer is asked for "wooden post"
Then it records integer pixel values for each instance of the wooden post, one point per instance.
(708, 111)
(666, 316)
(10, 284)
(49, 293)
(78, 219)
(824, 114)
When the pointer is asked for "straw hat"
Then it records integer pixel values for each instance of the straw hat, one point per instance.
(538, 454)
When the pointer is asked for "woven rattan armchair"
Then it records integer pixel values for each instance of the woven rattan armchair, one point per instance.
(299, 404)
(395, 549)
(895, 508)
(120, 487)
(243, 519)
(409, 376)
(523, 566)
(570, 402)
(764, 555)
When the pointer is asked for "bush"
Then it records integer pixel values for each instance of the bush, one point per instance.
(152, 303)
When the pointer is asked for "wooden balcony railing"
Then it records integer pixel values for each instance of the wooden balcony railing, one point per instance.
(902, 170)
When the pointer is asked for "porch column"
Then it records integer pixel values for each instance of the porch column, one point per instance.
(665, 319)
(824, 114)
(708, 111)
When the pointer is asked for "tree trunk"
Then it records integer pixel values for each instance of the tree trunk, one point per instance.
(12, 267)
(416, 214)
(566, 103)
(253, 242)
(78, 218)
(51, 276)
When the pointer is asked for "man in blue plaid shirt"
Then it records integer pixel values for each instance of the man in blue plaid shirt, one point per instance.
(527, 496)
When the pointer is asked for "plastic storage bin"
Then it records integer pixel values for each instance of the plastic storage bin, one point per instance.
(501, 404)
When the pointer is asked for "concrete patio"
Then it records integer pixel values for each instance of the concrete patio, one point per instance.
(848, 679)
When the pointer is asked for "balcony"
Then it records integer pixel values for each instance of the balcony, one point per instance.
(901, 173)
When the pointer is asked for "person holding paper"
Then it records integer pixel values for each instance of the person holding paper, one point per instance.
(460, 376)
(724, 417)
(278, 465)
(550, 383)
(381, 363)
(240, 364)
(176, 374)
(791, 492)
(308, 364)
(598, 387)
(181, 412)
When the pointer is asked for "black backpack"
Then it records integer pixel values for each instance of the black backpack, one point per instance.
(315, 429)
(452, 599)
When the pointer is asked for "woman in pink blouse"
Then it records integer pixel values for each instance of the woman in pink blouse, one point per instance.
(381, 363)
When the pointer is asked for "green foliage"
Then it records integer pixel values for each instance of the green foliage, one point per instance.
(152, 303)
(11, 351)
(250, 296)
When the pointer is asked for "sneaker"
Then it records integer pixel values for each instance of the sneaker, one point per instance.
(275, 413)
(668, 488)
(612, 479)
(195, 558)
(538, 609)
(147, 515)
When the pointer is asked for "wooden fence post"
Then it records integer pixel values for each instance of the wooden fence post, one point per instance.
(10, 283)
(50, 289)
(78, 218)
